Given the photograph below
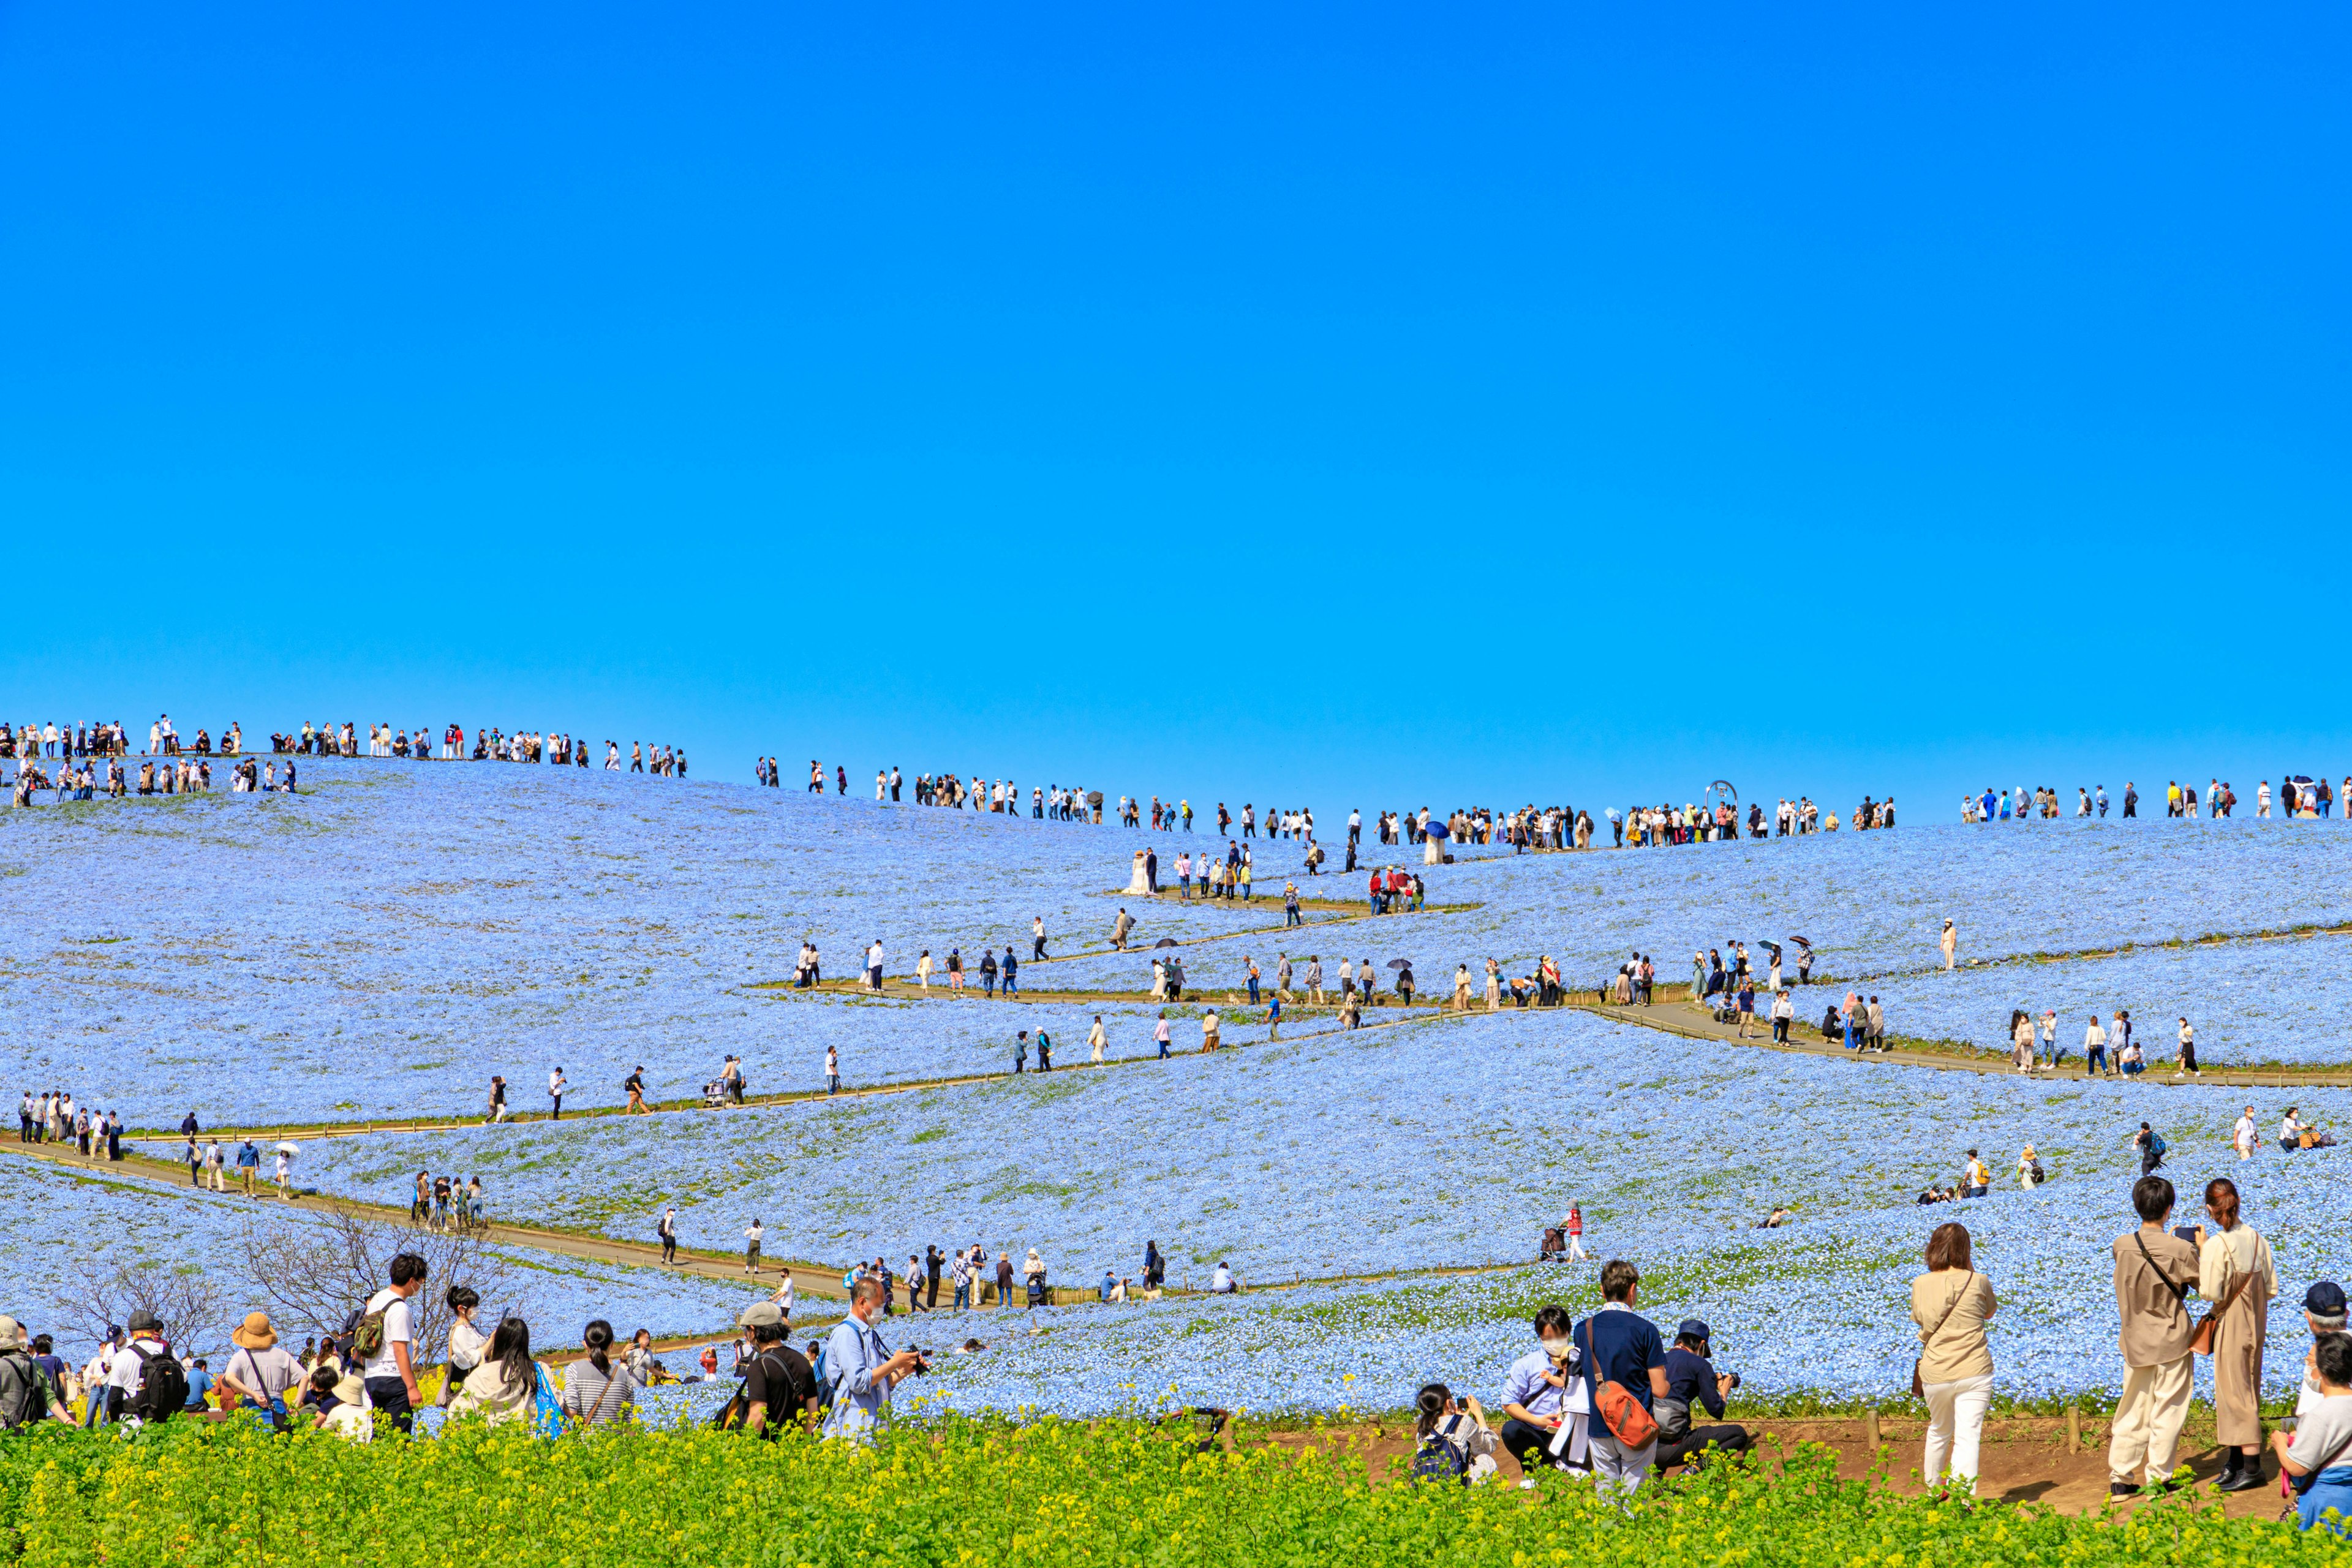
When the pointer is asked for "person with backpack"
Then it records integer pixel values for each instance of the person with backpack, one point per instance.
(778, 1387)
(259, 1375)
(2150, 1145)
(859, 1369)
(1623, 1358)
(383, 1341)
(26, 1393)
(1453, 1440)
(145, 1383)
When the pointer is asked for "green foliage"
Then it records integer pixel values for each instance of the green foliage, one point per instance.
(959, 1492)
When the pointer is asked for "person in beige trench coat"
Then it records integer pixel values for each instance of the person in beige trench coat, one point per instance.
(2239, 1277)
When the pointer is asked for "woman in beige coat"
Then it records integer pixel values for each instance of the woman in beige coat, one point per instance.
(2237, 1275)
(1952, 1304)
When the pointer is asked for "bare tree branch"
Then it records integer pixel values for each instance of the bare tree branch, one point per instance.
(185, 1300)
(318, 1271)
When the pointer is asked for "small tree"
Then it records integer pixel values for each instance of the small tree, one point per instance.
(316, 1272)
(183, 1298)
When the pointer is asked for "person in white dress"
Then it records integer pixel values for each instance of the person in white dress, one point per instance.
(1097, 1039)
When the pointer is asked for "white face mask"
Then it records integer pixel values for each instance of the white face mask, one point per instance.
(1555, 1349)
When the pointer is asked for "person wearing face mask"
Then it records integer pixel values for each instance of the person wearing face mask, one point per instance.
(1542, 1397)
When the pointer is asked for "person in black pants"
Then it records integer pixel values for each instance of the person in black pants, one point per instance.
(669, 1235)
(1692, 1380)
(1533, 1394)
(931, 1262)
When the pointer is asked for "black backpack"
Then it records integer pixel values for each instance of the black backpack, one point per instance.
(162, 1386)
(1438, 1460)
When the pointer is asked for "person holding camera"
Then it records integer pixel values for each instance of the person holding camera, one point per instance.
(862, 1368)
(1691, 1378)
(779, 1388)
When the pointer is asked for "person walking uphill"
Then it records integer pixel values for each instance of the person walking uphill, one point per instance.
(1952, 1303)
(2155, 1272)
(2240, 1278)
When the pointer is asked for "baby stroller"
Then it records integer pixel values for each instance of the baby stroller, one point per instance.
(714, 1093)
(1555, 1246)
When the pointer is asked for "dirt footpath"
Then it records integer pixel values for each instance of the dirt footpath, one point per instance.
(2023, 1459)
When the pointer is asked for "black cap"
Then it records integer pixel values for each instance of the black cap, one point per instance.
(1692, 1329)
(2325, 1300)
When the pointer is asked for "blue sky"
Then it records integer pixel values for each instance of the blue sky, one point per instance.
(1347, 406)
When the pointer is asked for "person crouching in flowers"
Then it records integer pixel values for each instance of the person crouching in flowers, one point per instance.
(1453, 1438)
(1543, 1396)
(2315, 1455)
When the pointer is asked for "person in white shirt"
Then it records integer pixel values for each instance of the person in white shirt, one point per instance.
(1097, 1039)
(2290, 1130)
(389, 1371)
(1223, 1283)
(555, 1094)
(2244, 1134)
(285, 1174)
(923, 970)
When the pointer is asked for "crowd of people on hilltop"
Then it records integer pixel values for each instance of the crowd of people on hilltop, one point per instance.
(83, 761)
(2299, 795)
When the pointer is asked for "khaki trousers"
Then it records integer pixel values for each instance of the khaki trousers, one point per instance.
(2148, 1421)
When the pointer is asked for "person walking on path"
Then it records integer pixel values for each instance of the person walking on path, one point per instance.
(751, 1238)
(1012, 971)
(1951, 942)
(1747, 1007)
(988, 971)
(1952, 1303)
(1574, 1225)
(1095, 1040)
(1784, 1012)
(1036, 937)
(1462, 988)
(1044, 1051)
(1210, 1024)
(2155, 1271)
(923, 970)
(1003, 1279)
(2240, 1278)
(1160, 1034)
(555, 1086)
(1119, 928)
(831, 1069)
(668, 1231)
(1021, 1052)
(2095, 1048)
(1273, 1016)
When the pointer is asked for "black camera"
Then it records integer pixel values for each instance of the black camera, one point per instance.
(1734, 1377)
(922, 1361)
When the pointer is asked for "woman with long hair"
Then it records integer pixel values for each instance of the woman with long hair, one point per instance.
(503, 1386)
(599, 1389)
(2235, 1272)
(1467, 1443)
(1951, 1303)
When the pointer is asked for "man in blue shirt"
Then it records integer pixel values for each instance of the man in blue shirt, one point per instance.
(200, 1386)
(1541, 1394)
(248, 1162)
(861, 1368)
(1621, 1346)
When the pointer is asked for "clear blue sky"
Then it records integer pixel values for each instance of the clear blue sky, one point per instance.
(1350, 405)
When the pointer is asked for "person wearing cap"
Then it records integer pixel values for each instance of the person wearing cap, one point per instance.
(779, 1387)
(128, 1372)
(2323, 1313)
(1691, 1379)
(861, 1366)
(27, 1394)
(2155, 1271)
(259, 1375)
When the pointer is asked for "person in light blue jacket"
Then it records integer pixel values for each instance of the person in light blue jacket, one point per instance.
(861, 1369)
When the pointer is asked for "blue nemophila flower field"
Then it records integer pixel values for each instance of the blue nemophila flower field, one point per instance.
(381, 945)
(2251, 1002)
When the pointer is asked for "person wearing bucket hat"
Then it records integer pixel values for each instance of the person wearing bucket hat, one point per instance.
(349, 1417)
(260, 1374)
(26, 1395)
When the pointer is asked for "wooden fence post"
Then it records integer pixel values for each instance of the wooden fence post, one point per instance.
(2074, 1428)
(1870, 1423)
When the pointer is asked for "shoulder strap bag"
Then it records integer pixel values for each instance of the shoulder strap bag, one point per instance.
(1919, 1389)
